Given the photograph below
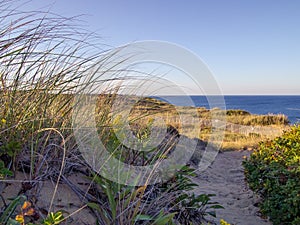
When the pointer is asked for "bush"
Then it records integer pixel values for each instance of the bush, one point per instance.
(273, 171)
(235, 112)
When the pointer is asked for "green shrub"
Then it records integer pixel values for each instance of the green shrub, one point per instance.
(162, 203)
(235, 112)
(273, 170)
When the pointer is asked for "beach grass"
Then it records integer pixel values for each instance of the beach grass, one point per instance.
(44, 60)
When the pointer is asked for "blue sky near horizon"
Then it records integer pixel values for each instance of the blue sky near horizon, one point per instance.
(252, 47)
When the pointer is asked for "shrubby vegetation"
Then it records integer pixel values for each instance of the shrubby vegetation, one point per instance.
(273, 171)
(245, 118)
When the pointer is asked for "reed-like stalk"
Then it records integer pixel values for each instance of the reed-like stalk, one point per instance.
(44, 61)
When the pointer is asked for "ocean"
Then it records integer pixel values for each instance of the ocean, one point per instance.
(256, 104)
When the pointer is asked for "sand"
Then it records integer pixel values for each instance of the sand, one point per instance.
(225, 178)
(65, 199)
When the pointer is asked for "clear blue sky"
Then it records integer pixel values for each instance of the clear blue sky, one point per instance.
(252, 46)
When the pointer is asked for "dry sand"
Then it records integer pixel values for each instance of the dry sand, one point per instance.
(225, 178)
(65, 199)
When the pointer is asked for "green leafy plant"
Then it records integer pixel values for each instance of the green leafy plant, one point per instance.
(4, 171)
(162, 203)
(273, 170)
(11, 208)
(54, 218)
(8, 153)
(188, 206)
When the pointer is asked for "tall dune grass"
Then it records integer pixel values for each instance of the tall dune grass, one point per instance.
(44, 60)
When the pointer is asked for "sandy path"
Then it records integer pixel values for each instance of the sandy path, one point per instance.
(225, 178)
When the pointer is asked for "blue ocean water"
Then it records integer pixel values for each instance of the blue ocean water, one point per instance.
(256, 104)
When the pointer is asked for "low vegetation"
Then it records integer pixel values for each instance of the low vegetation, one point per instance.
(273, 171)
(243, 130)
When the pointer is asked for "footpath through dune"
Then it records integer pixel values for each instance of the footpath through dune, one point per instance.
(225, 178)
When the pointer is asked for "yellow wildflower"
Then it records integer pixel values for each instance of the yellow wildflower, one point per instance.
(20, 219)
(223, 222)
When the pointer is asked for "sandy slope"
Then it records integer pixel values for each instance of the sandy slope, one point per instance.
(225, 178)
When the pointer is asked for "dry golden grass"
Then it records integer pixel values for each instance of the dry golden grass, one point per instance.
(243, 130)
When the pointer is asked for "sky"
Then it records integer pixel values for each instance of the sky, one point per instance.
(252, 47)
